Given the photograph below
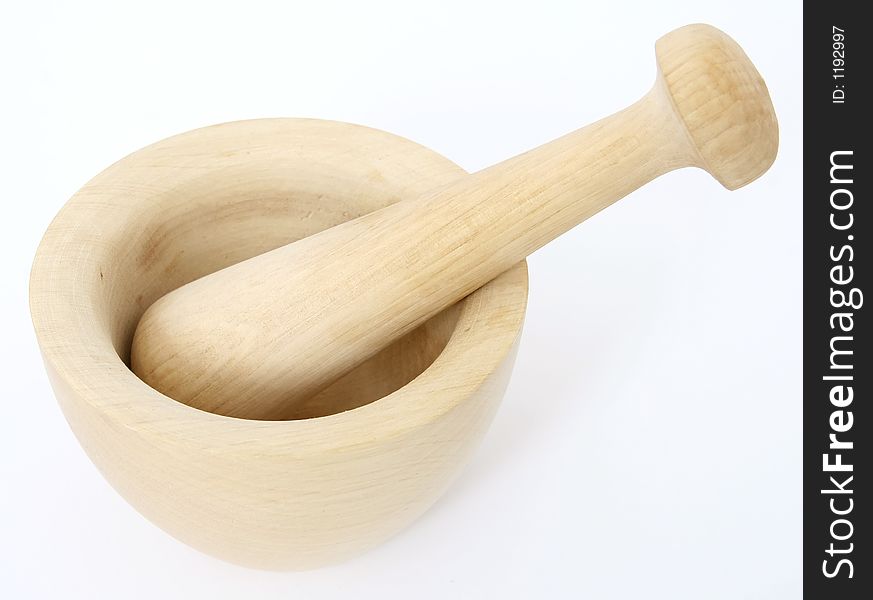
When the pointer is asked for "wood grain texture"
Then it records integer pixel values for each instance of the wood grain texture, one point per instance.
(388, 437)
(339, 379)
(261, 338)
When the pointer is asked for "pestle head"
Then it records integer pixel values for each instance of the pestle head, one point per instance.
(722, 101)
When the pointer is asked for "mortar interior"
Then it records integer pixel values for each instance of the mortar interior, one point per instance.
(192, 237)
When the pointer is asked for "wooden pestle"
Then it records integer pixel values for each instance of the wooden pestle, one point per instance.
(251, 339)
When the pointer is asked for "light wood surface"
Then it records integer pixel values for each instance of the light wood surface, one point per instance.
(267, 494)
(261, 338)
(359, 359)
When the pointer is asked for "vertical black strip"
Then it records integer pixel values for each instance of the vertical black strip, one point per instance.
(836, 363)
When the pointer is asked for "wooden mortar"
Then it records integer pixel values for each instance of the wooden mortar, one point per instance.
(267, 494)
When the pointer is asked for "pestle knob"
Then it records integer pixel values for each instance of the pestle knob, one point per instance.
(254, 338)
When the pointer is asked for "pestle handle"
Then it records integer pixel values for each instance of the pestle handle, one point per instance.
(253, 339)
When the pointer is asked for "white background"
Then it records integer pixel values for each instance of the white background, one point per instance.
(649, 445)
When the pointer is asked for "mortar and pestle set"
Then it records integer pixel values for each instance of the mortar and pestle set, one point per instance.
(281, 339)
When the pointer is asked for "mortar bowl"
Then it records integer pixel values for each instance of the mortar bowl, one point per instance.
(357, 462)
